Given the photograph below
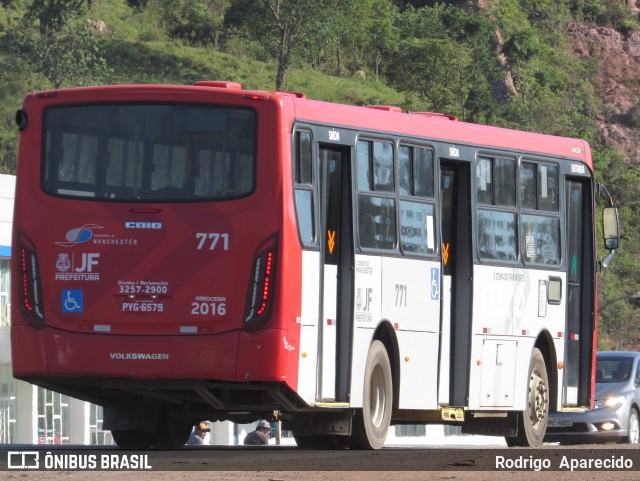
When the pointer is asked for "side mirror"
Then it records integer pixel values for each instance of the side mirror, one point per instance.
(611, 228)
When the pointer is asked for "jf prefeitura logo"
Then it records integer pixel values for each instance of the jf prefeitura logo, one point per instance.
(52, 461)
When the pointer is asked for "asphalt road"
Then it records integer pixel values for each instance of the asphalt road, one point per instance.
(276, 463)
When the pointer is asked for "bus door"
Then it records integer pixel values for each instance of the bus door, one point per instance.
(335, 326)
(455, 224)
(579, 331)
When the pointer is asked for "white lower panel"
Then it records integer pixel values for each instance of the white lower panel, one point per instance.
(308, 360)
(418, 369)
(445, 343)
(328, 330)
(498, 373)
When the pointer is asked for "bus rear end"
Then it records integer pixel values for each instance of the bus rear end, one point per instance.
(150, 236)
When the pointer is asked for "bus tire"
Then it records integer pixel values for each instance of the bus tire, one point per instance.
(324, 441)
(371, 423)
(532, 422)
(173, 434)
(130, 439)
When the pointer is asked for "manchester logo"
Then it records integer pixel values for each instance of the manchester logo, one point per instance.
(79, 235)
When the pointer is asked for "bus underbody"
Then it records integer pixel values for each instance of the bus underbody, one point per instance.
(160, 413)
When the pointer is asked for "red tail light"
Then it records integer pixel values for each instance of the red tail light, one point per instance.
(30, 294)
(261, 286)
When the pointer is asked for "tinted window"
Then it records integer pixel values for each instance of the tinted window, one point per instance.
(497, 235)
(539, 192)
(541, 239)
(548, 188)
(304, 210)
(528, 192)
(613, 369)
(423, 173)
(496, 181)
(149, 152)
(497, 227)
(505, 181)
(539, 187)
(304, 166)
(415, 171)
(304, 189)
(417, 228)
(405, 155)
(364, 166)
(484, 181)
(377, 222)
(383, 166)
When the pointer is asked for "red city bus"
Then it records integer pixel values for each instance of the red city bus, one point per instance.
(208, 252)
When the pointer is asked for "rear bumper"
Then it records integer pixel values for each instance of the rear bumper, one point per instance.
(231, 356)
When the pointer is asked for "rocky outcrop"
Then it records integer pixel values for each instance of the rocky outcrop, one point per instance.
(619, 80)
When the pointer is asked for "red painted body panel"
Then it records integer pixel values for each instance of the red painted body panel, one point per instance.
(438, 129)
(71, 345)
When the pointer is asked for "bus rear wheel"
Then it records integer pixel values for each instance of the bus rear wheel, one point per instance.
(532, 422)
(172, 433)
(371, 424)
(129, 439)
(325, 441)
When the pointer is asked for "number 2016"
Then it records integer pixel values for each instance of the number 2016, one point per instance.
(208, 309)
(213, 238)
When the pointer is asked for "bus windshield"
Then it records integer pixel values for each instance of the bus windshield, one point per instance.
(149, 153)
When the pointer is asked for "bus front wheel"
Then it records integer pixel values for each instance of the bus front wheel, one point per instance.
(371, 423)
(532, 422)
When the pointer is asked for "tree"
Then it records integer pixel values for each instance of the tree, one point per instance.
(290, 23)
(64, 50)
(197, 21)
(53, 14)
(520, 49)
(383, 35)
(362, 33)
(287, 17)
(431, 67)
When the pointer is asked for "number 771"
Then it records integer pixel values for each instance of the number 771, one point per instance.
(214, 238)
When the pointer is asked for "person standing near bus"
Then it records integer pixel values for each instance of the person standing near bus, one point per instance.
(199, 434)
(260, 436)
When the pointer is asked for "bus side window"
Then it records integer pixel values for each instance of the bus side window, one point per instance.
(548, 188)
(376, 199)
(377, 222)
(539, 197)
(415, 180)
(303, 180)
(383, 166)
(423, 185)
(496, 217)
(416, 228)
(405, 155)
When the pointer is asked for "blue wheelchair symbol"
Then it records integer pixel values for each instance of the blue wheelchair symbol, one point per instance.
(73, 300)
(435, 284)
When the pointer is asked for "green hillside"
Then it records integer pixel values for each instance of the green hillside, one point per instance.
(500, 62)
